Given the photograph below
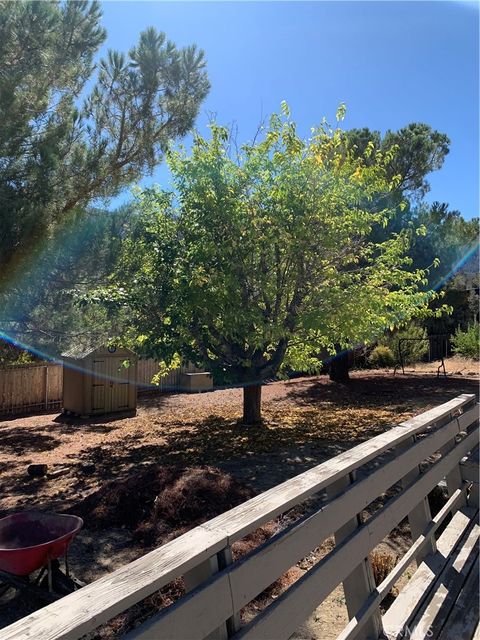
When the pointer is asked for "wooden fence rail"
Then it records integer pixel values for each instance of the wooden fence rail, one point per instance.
(415, 456)
(37, 387)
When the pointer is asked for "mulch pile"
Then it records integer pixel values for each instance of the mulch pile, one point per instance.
(158, 504)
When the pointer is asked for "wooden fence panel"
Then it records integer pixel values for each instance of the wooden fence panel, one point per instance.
(36, 387)
(148, 368)
(24, 388)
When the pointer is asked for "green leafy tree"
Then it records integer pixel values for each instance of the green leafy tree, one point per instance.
(58, 151)
(13, 355)
(257, 262)
(451, 244)
(448, 239)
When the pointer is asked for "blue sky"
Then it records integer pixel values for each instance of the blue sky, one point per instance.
(391, 63)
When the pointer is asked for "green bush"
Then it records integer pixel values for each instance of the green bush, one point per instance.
(466, 343)
(412, 350)
(381, 357)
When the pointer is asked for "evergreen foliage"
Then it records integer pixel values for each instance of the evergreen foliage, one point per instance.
(62, 147)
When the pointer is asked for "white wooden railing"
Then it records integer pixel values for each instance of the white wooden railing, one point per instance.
(416, 455)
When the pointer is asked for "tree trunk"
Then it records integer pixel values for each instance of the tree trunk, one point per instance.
(252, 404)
(339, 367)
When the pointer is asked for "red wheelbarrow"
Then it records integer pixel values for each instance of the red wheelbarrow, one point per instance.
(32, 541)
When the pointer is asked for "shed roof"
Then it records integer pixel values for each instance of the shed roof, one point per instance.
(80, 352)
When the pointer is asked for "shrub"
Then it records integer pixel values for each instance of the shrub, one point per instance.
(382, 565)
(466, 343)
(412, 350)
(381, 357)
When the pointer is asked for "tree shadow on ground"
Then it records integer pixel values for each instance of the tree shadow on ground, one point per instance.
(97, 426)
(155, 399)
(92, 422)
(319, 420)
(23, 485)
(26, 413)
(380, 390)
(321, 424)
(288, 443)
(16, 441)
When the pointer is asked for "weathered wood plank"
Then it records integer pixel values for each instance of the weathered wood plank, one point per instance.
(245, 518)
(469, 471)
(195, 616)
(418, 589)
(470, 465)
(465, 614)
(355, 627)
(259, 570)
(86, 609)
(225, 559)
(420, 515)
(437, 414)
(197, 576)
(94, 604)
(280, 619)
(454, 479)
(432, 616)
(360, 583)
(467, 418)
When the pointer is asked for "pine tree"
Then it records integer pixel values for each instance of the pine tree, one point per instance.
(60, 148)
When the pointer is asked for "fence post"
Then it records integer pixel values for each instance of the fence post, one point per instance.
(224, 560)
(360, 583)
(453, 479)
(197, 576)
(469, 472)
(420, 516)
(46, 387)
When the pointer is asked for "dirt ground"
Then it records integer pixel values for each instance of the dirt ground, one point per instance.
(306, 421)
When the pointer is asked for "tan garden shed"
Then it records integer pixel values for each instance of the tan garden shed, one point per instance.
(99, 381)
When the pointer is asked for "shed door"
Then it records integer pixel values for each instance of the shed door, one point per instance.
(101, 387)
(119, 383)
